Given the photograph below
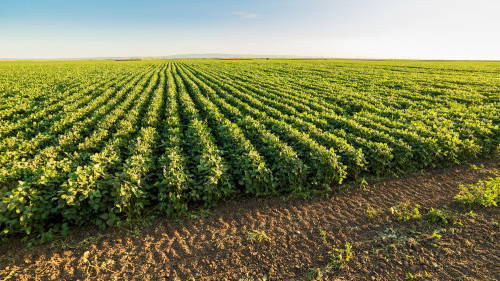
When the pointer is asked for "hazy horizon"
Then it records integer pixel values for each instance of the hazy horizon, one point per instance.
(412, 29)
(235, 56)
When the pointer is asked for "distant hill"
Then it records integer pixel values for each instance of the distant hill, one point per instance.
(178, 56)
(188, 56)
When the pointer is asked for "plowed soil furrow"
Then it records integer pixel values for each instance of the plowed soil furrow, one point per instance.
(301, 232)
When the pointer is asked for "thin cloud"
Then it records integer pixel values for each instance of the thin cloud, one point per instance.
(244, 15)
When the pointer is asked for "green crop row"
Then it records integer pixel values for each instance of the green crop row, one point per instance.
(98, 142)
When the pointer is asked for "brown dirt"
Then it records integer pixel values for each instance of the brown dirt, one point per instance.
(217, 246)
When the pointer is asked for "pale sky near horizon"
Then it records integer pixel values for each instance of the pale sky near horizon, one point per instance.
(416, 29)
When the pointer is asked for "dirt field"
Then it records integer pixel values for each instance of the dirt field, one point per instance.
(298, 237)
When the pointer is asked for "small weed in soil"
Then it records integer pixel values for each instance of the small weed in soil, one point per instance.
(484, 193)
(417, 276)
(341, 256)
(441, 216)
(323, 234)
(259, 236)
(405, 211)
(371, 212)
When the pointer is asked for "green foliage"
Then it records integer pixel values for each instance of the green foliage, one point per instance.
(417, 276)
(435, 235)
(339, 257)
(99, 142)
(441, 216)
(323, 233)
(484, 193)
(259, 236)
(372, 212)
(406, 211)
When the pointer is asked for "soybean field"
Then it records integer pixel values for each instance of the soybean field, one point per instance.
(101, 142)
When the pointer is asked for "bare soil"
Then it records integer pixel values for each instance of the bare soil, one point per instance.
(302, 235)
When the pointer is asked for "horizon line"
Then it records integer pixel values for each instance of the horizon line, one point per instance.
(236, 56)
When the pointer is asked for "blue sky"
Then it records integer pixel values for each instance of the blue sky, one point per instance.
(422, 29)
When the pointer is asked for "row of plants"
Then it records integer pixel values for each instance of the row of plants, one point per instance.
(120, 140)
